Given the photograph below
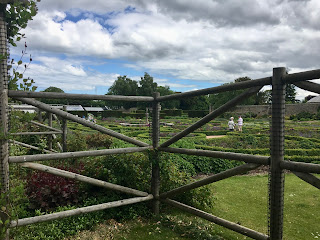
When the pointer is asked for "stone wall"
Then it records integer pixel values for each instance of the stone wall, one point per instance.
(290, 109)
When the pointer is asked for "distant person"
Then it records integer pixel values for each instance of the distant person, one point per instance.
(231, 124)
(240, 123)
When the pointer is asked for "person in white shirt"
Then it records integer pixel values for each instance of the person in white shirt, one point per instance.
(231, 124)
(240, 123)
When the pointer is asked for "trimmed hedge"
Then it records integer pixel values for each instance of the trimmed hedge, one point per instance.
(112, 113)
(172, 112)
(197, 113)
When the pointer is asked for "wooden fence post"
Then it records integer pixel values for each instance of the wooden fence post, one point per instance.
(276, 184)
(4, 149)
(50, 137)
(155, 179)
(64, 132)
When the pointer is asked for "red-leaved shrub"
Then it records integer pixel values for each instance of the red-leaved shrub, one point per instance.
(47, 191)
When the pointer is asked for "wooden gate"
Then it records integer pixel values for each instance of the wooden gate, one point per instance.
(276, 160)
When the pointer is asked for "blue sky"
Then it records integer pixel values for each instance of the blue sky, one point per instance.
(82, 46)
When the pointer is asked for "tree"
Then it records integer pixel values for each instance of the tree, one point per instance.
(126, 87)
(165, 90)
(290, 93)
(195, 103)
(54, 101)
(147, 86)
(218, 99)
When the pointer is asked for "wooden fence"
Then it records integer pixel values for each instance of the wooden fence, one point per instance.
(276, 160)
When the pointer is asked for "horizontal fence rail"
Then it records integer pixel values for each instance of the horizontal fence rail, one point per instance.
(301, 76)
(30, 146)
(35, 133)
(56, 156)
(263, 160)
(45, 126)
(54, 95)
(74, 212)
(223, 88)
(81, 178)
(300, 166)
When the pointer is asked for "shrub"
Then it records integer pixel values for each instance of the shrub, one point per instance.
(47, 191)
(76, 141)
(197, 113)
(172, 112)
(304, 116)
(112, 113)
(98, 140)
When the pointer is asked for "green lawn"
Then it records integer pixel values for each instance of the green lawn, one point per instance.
(244, 199)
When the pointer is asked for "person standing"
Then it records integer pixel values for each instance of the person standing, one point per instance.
(240, 123)
(231, 124)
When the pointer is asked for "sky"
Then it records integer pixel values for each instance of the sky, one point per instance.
(82, 46)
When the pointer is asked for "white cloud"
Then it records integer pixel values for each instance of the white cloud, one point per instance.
(209, 40)
(66, 75)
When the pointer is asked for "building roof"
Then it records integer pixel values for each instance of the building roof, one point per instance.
(74, 108)
(315, 99)
(93, 109)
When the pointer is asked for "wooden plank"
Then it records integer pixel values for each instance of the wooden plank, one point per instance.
(301, 76)
(56, 156)
(214, 178)
(45, 126)
(81, 178)
(309, 86)
(222, 222)
(232, 103)
(300, 166)
(309, 178)
(78, 211)
(84, 122)
(55, 95)
(276, 183)
(223, 88)
(35, 133)
(155, 156)
(29, 146)
(218, 154)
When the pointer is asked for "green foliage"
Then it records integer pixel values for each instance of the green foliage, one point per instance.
(16, 80)
(76, 141)
(194, 103)
(98, 140)
(17, 17)
(147, 86)
(304, 116)
(172, 112)
(197, 113)
(54, 101)
(290, 93)
(218, 99)
(171, 104)
(126, 87)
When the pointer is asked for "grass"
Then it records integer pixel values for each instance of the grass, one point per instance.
(241, 199)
